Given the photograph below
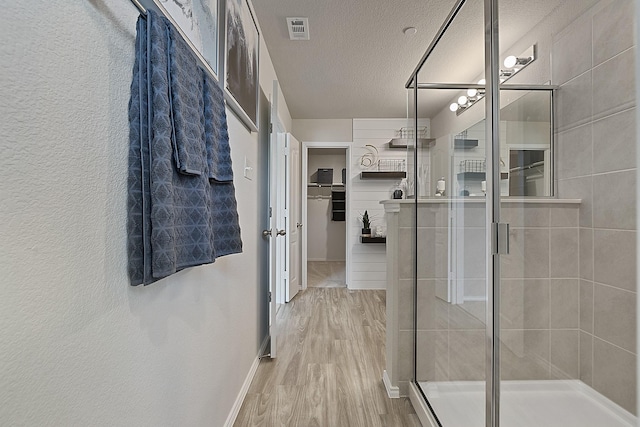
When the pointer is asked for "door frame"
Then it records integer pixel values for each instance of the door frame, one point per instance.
(347, 188)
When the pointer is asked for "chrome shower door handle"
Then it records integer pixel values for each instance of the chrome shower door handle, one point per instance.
(266, 233)
(281, 232)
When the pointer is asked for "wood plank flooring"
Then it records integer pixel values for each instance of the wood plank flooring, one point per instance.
(331, 354)
(326, 274)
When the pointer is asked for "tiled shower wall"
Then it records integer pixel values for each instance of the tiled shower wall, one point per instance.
(539, 299)
(593, 62)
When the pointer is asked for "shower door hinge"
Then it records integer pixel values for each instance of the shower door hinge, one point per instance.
(500, 238)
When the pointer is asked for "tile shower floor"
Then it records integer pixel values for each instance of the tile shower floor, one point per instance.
(526, 404)
(326, 274)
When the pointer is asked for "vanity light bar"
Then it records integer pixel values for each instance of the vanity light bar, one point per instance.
(513, 65)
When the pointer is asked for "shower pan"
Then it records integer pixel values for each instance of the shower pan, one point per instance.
(503, 308)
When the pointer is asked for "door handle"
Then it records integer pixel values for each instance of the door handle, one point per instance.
(266, 233)
(281, 232)
(298, 225)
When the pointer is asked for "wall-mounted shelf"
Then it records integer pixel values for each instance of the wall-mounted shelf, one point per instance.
(478, 176)
(382, 175)
(405, 142)
(465, 144)
(373, 239)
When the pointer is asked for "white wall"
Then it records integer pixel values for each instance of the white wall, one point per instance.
(368, 261)
(326, 239)
(79, 345)
(322, 130)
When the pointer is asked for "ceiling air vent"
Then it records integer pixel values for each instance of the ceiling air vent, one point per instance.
(298, 28)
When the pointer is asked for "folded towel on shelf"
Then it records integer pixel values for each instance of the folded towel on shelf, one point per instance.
(178, 215)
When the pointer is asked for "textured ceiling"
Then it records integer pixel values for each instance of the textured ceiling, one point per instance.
(358, 59)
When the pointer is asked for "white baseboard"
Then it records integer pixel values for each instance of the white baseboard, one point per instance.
(235, 409)
(392, 391)
(419, 405)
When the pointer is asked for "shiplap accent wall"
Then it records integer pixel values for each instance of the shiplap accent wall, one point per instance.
(368, 261)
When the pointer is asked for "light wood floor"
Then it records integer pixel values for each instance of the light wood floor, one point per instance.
(326, 274)
(328, 370)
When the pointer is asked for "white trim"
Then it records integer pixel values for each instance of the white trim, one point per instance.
(437, 388)
(235, 409)
(419, 405)
(392, 391)
(347, 188)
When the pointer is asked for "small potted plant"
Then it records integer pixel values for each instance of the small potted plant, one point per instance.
(366, 225)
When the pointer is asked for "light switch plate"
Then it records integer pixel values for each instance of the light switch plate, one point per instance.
(248, 169)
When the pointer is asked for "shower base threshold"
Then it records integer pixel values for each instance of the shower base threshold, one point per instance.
(553, 403)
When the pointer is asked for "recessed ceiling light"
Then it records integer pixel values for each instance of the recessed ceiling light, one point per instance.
(410, 31)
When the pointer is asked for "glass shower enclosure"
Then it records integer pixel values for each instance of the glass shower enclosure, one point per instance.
(515, 319)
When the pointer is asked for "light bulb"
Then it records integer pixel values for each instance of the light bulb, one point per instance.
(510, 61)
(482, 82)
(472, 92)
(454, 107)
(462, 100)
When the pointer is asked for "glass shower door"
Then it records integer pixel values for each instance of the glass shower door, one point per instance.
(450, 287)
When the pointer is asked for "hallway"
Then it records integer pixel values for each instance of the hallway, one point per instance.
(331, 356)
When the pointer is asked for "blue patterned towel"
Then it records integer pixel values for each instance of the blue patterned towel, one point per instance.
(226, 229)
(187, 104)
(178, 215)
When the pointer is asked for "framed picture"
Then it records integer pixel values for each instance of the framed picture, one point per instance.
(199, 22)
(242, 62)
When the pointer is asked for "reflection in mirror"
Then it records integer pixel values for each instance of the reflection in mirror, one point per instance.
(525, 150)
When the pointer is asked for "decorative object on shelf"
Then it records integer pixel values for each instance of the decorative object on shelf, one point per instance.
(324, 176)
(392, 165)
(370, 159)
(440, 187)
(475, 93)
(366, 224)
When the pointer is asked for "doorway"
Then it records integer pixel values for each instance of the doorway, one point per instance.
(325, 201)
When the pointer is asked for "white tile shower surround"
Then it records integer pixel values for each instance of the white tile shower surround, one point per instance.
(326, 274)
(561, 403)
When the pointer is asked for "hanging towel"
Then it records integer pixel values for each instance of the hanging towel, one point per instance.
(179, 214)
(139, 198)
(181, 234)
(187, 105)
(226, 228)
(182, 206)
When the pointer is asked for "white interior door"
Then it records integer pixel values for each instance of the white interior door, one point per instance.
(293, 208)
(275, 260)
(281, 218)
